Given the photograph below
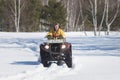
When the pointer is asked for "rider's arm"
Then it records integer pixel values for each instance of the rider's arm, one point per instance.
(49, 33)
(62, 33)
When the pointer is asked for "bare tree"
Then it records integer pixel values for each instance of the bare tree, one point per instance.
(16, 11)
(72, 14)
(103, 16)
(82, 17)
(15, 15)
(94, 15)
(108, 23)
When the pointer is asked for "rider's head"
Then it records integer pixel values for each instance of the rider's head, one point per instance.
(56, 26)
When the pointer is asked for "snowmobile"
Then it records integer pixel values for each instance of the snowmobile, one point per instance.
(57, 51)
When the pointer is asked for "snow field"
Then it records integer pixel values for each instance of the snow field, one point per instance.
(94, 58)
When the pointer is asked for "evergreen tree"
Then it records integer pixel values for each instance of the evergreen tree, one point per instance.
(31, 15)
(54, 12)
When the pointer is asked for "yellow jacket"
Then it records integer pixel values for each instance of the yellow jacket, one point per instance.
(57, 33)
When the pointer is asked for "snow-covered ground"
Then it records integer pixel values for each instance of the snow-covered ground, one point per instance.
(94, 58)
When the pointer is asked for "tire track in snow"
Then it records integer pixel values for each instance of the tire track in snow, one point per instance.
(51, 73)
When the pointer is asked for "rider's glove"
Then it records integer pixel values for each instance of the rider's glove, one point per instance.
(49, 37)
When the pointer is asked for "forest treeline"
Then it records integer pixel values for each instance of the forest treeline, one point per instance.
(73, 15)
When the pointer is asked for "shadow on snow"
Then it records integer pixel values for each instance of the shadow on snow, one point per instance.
(25, 63)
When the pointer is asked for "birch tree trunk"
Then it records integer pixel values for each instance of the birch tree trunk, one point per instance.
(108, 23)
(71, 16)
(82, 18)
(100, 26)
(68, 11)
(71, 6)
(19, 11)
(107, 7)
(15, 13)
(18, 7)
(94, 15)
(95, 19)
(74, 11)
